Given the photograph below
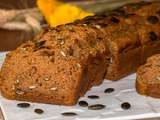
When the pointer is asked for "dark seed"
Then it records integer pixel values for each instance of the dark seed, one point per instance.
(77, 21)
(125, 106)
(93, 97)
(88, 18)
(83, 103)
(114, 20)
(96, 107)
(69, 114)
(153, 19)
(38, 111)
(39, 44)
(109, 90)
(153, 36)
(23, 105)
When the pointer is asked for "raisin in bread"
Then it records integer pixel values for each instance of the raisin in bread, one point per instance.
(148, 77)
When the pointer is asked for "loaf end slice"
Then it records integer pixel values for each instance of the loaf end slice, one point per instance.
(55, 67)
(148, 77)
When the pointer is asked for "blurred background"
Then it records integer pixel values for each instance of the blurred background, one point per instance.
(21, 20)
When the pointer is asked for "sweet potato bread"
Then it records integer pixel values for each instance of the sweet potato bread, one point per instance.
(135, 39)
(130, 32)
(62, 63)
(58, 67)
(148, 77)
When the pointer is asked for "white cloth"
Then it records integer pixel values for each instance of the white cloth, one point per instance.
(141, 107)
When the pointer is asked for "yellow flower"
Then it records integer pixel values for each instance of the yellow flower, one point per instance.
(57, 13)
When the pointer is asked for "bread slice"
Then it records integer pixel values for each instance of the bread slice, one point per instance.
(148, 77)
(134, 38)
(56, 67)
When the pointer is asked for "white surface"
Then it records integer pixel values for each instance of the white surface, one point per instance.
(142, 107)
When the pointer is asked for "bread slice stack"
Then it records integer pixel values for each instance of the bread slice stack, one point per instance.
(62, 63)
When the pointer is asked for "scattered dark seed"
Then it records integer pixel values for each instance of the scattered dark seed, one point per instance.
(153, 19)
(88, 18)
(38, 111)
(114, 20)
(77, 21)
(153, 36)
(69, 114)
(39, 44)
(83, 103)
(125, 106)
(96, 107)
(23, 105)
(93, 97)
(109, 90)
